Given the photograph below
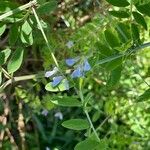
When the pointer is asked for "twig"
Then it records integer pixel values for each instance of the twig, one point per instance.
(11, 139)
(104, 121)
(44, 36)
(23, 7)
(4, 121)
(21, 126)
(16, 79)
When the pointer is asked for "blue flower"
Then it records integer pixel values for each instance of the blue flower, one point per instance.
(77, 73)
(57, 80)
(71, 61)
(50, 73)
(81, 69)
(86, 65)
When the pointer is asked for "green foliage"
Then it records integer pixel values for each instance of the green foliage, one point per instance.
(76, 124)
(66, 101)
(111, 38)
(15, 61)
(47, 7)
(140, 19)
(135, 33)
(144, 8)
(120, 14)
(118, 3)
(88, 144)
(106, 107)
(2, 28)
(144, 96)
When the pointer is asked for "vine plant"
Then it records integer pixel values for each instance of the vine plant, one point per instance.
(117, 44)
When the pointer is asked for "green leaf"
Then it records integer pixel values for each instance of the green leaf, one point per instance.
(7, 53)
(103, 49)
(135, 33)
(4, 54)
(119, 3)
(135, 1)
(123, 31)
(26, 33)
(15, 61)
(144, 8)
(47, 7)
(26, 28)
(2, 28)
(2, 58)
(140, 19)
(113, 64)
(114, 77)
(59, 88)
(120, 14)
(26, 39)
(87, 144)
(103, 145)
(6, 6)
(111, 38)
(145, 96)
(13, 34)
(66, 101)
(76, 124)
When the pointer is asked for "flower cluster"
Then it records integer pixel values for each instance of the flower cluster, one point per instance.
(80, 67)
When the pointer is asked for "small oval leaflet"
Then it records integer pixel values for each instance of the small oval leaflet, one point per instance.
(66, 101)
(15, 61)
(76, 124)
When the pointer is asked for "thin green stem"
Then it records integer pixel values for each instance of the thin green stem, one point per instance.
(114, 57)
(19, 9)
(87, 115)
(6, 73)
(44, 36)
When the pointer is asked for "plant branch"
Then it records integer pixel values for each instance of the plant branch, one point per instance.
(44, 36)
(114, 57)
(87, 115)
(20, 78)
(21, 8)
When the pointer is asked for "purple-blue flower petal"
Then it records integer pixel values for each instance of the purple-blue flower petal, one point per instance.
(71, 61)
(86, 65)
(50, 73)
(57, 80)
(77, 73)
